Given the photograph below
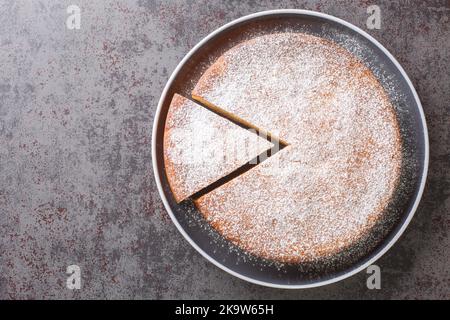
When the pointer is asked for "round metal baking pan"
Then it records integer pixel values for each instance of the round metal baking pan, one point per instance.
(408, 110)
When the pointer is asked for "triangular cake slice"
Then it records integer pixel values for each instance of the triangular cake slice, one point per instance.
(200, 147)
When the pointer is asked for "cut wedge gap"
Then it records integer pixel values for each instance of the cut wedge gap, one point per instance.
(239, 121)
(239, 171)
(201, 147)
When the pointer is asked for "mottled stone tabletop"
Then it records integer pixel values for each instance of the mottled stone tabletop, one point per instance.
(76, 180)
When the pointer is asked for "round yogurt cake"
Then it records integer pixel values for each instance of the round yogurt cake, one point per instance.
(327, 192)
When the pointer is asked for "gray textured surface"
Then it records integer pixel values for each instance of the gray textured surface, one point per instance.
(76, 183)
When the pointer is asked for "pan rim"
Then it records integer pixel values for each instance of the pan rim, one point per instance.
(424, 173)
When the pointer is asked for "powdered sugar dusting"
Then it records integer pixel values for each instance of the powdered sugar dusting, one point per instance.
(324, 193)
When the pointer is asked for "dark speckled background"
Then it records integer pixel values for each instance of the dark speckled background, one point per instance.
(76, 182)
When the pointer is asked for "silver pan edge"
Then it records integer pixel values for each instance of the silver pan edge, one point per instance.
(424, 150)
